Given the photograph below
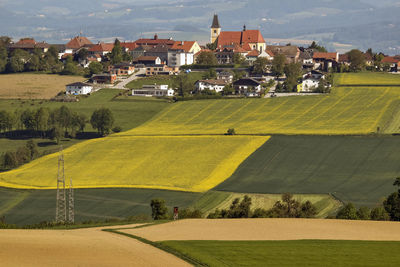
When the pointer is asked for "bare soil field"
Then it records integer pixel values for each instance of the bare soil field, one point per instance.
(34, 86)
(270, 229)
(83, 247)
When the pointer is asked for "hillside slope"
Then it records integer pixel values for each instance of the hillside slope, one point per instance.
(356, 169)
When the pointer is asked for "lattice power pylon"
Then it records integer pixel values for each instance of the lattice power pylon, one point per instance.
(61, 206)
(71, 208)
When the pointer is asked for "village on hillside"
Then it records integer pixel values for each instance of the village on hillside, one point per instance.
(235, 63)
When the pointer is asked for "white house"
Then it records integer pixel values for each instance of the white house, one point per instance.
(212, 85)
(153, 90)
(248, 87)
(178, 57)
(78, 88)
(311, 81)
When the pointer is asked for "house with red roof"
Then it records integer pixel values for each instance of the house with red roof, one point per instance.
(29, 45)
(78, 42)
(101, 49)
(394, 63)
(155, 41)
(325, 60)
(187, 46)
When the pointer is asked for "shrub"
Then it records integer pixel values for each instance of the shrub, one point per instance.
(348, 212)
(231, 131)
(117, 129)
(364, 213)
(188, 213)
(159, 210)
(379, 214)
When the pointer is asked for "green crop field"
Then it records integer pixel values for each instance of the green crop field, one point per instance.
(289, 253)
(196, 163)
(169, 80)
(127, 113)
(344, 111)
(23, 207)
(354, 169)
(366, 78)
(325, 204)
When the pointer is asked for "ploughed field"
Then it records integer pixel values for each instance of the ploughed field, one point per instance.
(194, 164)
(346, 111)
(34, 86)
(354, 169)
(84, 247)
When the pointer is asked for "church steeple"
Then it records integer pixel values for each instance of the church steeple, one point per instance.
(215, 29)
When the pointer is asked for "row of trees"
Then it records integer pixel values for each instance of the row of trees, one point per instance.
(159, 211)
(287, 208)
(55, 124)
(390, 210)
(24, 154)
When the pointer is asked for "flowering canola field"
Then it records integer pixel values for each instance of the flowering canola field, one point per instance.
(195, 164)
(354, 110)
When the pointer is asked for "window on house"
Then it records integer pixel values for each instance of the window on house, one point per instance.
(215, 31)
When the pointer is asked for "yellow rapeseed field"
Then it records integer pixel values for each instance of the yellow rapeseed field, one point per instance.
(196, 163)
(354, 110)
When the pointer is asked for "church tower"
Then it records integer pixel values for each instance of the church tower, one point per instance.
(215, 29)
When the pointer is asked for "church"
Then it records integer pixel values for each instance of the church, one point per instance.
(249, 40)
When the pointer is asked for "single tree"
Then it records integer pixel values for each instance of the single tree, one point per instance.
(159, 210)
(348, 212)
(278, 65)
(293, 72)
(364, 213)
(102, 119)
(357, 60)
(95, 67)
(207, 58)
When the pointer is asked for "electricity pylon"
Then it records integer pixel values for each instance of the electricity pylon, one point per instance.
(71, 208)
(61, 206)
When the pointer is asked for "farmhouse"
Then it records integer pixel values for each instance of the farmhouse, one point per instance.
(291, 52)
(77, 43)
(247, 86)
(153, 90)
(101, 49)
(78, 88)
(325, 61)
(105, 78)
(394, 63)
(310, 81)
(225, 76)
(29, 45)
(212, 85)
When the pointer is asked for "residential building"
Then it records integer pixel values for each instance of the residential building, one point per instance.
(325, 61)
(29, 45)
(148, 60)
(101, 49)
(155, 42)
(153, 90)
(291, 52)
(122, 69)
(252, 56)
(187, 46)
(105, 78)
(310, 81)
(139, 51)
(248, 87)
(178, 58)
(212, 85)
(225, 76)
(306, 60)
(160, 70)
(160, 51)
(78, 88)
(393, 62)
(78, 42)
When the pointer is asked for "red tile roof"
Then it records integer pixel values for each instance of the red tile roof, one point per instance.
(146, 58)
(155, 41)
(393, 60)
(326, 56)
(26, 41)
(130, 46)
(184, 45)
(102, 47)
(240, 37)
(344, 58)
(253, 53)
(270, 53)
(78, 42)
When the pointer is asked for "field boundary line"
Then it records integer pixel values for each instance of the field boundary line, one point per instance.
(159, 246)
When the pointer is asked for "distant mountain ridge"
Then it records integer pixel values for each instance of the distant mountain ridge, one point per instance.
(340, 23)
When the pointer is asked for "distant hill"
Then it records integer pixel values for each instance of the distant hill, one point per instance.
(358, 23)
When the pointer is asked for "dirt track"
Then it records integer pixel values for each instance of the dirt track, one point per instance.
(270, 229)
(84, 247)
